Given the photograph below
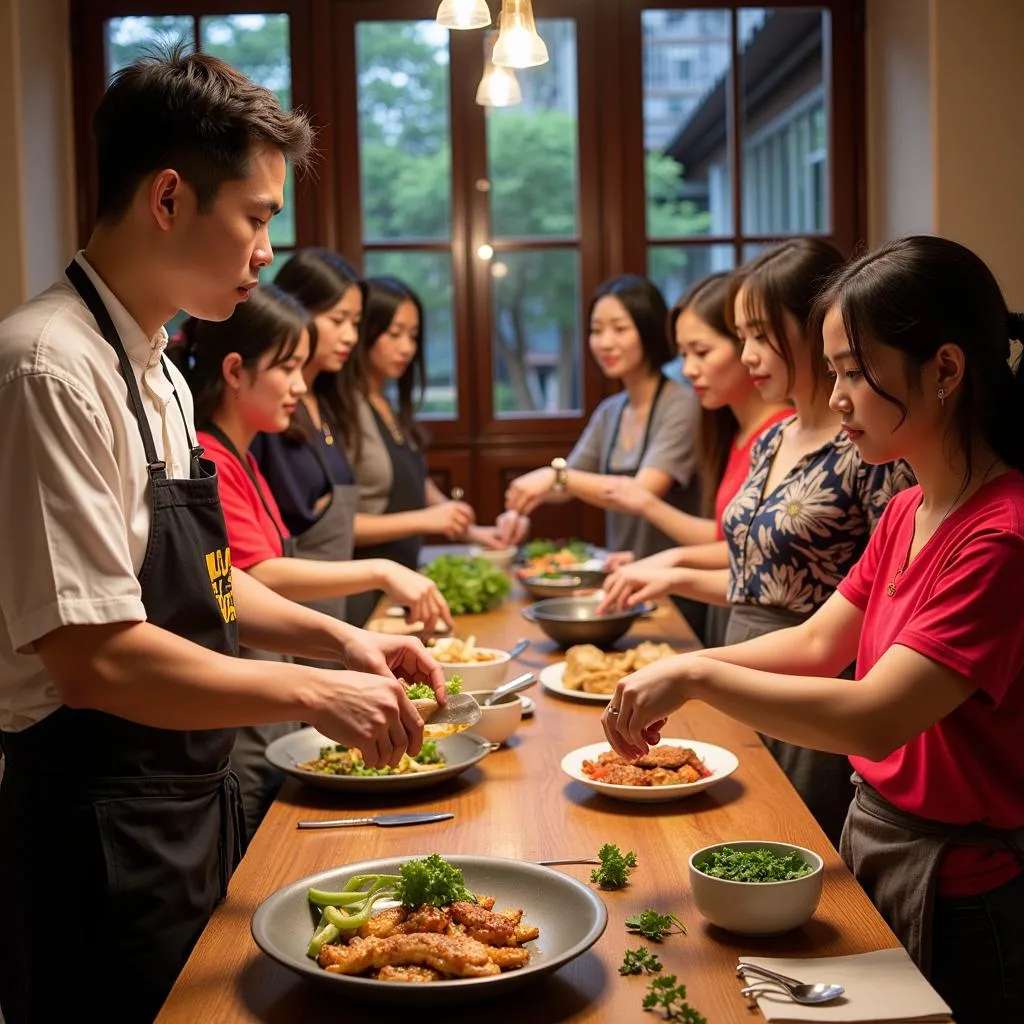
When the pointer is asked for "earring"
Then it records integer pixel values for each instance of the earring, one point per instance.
(941, 395)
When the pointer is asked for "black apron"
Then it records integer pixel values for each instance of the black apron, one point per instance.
(408, 494)
(258, 778)
(118, 839)
(330, 539)
(650, 540)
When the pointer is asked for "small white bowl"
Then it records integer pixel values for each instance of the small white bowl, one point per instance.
(477, 675)
(757, 908)
(502, 558)
(498, 721)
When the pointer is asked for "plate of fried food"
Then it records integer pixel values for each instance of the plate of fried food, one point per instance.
(437, 929)
(673, 769)
(590, 674)
(312, 758)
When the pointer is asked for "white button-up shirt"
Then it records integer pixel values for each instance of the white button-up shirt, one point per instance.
(74, 491)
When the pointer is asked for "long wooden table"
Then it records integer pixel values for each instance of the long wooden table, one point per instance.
(517, 803)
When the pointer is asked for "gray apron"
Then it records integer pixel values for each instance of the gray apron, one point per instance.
(258, 778)
(821, 779)
(330, 539)
(895, 857)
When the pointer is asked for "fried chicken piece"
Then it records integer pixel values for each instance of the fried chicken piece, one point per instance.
(665, 756)
(610, 757)
(383, 923)
(484, 925)
(426, 919)
(626, 775)
(487, 902)
(508, 958)
(461, 957)
(456, 929)
(418, 975)
(513, 914)
(526, 933)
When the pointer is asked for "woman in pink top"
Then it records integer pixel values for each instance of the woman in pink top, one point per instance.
(917, 335)
(733, 417)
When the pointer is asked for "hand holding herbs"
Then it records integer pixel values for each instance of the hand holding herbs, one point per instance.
(664, 994)
(469, 585)
(754, 865)
(421, 691)
(431, 881)
(639, 961)
(654, 926)
(615, 867)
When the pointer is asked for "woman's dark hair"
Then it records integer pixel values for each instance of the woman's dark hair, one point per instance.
(648, 311)
(718, 427)
(192, 112)
(382, 298)
(319, 278)
(270, 321)
(919, 293)
(788, 278)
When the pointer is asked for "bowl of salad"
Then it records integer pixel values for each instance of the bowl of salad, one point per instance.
(469, 585)
(546, 556)
(756, 887)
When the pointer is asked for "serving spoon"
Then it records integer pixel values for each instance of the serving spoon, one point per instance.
(808, 994)
(523, 682)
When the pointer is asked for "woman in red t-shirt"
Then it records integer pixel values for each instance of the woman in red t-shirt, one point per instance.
(245, 374)
(917, 335)
(734, 416)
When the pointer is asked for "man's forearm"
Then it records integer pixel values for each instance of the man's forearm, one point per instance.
(300, 579)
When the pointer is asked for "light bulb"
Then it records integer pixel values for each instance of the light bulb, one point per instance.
(519, 45)
(499, 88)
(464, 14)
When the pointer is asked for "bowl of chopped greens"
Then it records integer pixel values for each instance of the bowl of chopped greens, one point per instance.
(469, 585)
(756, 887)
(312, 758)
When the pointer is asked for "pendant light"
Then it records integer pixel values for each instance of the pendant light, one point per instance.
(499, 87)
(519, 45)
(464, 14)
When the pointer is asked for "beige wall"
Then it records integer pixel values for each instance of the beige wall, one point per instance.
(946, 126)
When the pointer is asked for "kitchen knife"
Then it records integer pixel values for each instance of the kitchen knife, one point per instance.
(382, 820)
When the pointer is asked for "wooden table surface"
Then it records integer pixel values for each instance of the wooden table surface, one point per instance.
(517, 803)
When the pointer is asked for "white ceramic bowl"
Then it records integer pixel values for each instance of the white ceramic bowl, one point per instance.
(502, 558)
(757, 908)
(477, 675)
(498, 721)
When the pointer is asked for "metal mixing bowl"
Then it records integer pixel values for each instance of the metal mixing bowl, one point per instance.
(573, 620)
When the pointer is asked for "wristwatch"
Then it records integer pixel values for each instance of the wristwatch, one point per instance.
(561, 468)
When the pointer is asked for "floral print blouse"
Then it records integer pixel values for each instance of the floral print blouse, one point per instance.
(790, 548)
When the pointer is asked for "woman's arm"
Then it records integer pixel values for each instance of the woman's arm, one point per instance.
(626, 494)
(635, 584)
(525, 493)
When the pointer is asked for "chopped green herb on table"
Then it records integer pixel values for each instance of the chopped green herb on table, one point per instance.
(615, 867)
(663, 994)
(654, 926)
(640, 961)
(754, 865)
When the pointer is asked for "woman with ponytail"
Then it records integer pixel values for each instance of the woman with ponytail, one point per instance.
(917, 336)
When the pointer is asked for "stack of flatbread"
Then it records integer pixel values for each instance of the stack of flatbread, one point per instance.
(592, 670)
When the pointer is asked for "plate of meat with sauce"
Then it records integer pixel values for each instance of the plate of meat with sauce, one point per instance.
(675, 768)
(512, 923)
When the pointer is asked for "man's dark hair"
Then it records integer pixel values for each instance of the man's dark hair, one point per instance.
(192, 112)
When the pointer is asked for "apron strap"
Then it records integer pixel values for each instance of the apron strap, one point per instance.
(663, 380)
(91, 297)
(197, 450)
(212, 428)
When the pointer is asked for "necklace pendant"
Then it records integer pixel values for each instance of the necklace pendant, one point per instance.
(891, 589)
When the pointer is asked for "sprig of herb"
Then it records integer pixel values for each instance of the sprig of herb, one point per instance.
(664, 994)
(423, 691)
(640, 961)
(654, 926)
(615, 867)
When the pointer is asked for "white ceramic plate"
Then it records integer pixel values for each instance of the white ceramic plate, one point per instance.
(528, 705)
(722, 763)
(551, 679)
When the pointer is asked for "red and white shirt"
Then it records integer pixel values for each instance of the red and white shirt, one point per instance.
(959, 603)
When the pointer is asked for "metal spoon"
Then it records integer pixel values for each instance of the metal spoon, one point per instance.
(517, 648)
(523, 682)
(809, 995)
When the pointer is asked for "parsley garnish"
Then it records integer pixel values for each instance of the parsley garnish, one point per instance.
(654, 926)
(663, 994)
(761, 865)
(639, 961)
(615, 867)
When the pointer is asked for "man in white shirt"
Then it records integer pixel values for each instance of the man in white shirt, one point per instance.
(121, 616)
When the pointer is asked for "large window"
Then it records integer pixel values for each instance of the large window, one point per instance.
(664, 137)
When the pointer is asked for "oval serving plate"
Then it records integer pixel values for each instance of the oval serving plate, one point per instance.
(570, 915)
(551, 678)
(288, 752)
(720, 761)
